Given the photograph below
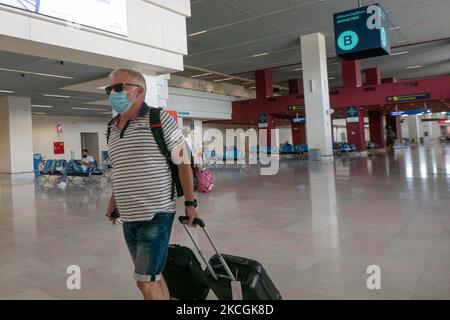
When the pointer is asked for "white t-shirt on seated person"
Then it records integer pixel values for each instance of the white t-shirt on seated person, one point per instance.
(87, 159)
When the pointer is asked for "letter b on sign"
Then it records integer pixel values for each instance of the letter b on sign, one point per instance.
(74, 280)
(348, 40)
(374, 280)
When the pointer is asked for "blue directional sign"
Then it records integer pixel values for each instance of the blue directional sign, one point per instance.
(352, 114)
(410, 112)
(362, 33)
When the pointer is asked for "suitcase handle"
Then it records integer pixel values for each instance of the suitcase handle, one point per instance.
(200, 222)
(197, 221)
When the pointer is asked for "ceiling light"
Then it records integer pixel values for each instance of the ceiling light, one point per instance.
(39, 113)
(197, 33)
(331, 78)
(77, 108)
(399, 53)
(260, 54)
(95, 109)
(402, 41)
(41, 106)
(56, 96)
(6, 91)
(250, 82)
(298, 69)
(394, 28)
(202, 75)
(36, 73)
(102, 88)
(251, 88)
(226, 79)
(414, 67)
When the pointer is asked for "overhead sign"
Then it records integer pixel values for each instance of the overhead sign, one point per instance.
(352, 114)
(262, 121)
(299, 120)
(410, 112)
(409, 97)
(295, 108)
(362, 33)
(107, 15)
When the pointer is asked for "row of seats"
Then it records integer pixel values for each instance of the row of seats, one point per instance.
(54, 167)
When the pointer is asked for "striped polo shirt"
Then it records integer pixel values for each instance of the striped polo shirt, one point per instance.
(141, 179)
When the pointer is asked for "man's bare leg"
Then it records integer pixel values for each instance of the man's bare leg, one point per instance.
(151, 290)
(164, 287)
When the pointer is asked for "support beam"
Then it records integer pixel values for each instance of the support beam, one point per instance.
(373, 76)
(16, 138)
(295, 86)
(351, 73)
(264, 84)
(356, 131)
(376, 128)
(298, 133)
(317, 99)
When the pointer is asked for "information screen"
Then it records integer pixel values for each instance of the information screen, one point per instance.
(107, 15)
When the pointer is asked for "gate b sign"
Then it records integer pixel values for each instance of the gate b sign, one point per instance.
(361, 33)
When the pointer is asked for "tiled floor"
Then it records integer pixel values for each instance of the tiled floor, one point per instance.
(316, 227)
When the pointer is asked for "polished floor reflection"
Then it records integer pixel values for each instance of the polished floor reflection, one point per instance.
(315, 226)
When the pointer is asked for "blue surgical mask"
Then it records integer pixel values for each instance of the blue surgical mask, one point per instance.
(119, 101)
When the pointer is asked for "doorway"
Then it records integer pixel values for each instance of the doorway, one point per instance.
(89, 140)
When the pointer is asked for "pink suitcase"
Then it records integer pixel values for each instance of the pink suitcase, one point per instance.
(205, 181)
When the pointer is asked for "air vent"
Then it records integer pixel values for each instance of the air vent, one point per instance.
(272, 99)
(411, 84)
(370, 89)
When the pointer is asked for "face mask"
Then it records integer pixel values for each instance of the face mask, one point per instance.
(120, 102)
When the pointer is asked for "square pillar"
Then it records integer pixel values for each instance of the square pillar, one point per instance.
(317, 99)
(414, 129)
(16, 136)
(373, 76)
(295, 86)
(298, 133)
(376, 128)
(355, 128)
(351, 73)
(264, 84)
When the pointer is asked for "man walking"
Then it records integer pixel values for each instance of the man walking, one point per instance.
(142, 180)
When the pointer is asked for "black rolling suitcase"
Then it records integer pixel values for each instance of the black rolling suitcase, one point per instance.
(232, 277)
(184, 275)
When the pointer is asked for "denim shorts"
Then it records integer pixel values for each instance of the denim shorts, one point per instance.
(148, 243)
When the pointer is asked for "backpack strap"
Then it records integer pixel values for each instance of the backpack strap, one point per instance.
(158, 134)
(108, 133)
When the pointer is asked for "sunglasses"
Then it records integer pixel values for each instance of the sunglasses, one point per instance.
(118, 87)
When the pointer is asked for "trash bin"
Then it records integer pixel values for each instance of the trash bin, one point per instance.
(314, 154)
(37, 157)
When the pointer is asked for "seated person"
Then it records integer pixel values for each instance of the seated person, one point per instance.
(76, 166)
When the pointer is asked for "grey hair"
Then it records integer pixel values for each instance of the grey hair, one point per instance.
(137, 76)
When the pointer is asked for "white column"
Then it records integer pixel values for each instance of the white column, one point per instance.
(157, 89)
(414, 130)
(16, 137)
(317, 100)
(427, 129)
(151, 96)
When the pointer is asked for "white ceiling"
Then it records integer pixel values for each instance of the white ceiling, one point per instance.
(239, 29)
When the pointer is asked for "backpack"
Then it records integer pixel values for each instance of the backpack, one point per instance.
(158, 134)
